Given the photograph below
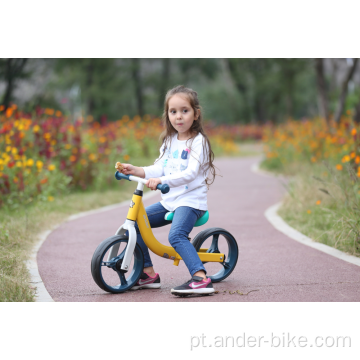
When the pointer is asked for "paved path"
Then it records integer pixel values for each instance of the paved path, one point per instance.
(279, 268)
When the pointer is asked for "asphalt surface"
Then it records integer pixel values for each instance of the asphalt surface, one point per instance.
(271, 266)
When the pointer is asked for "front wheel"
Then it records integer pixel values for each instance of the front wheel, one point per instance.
(217, 240)
(107, 271)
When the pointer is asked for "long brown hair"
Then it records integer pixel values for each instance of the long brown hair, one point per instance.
(196, 127)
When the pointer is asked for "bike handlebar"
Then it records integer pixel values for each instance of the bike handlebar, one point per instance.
(164, 188)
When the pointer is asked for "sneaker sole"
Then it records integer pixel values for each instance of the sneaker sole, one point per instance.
(193, 291)
(147, 286)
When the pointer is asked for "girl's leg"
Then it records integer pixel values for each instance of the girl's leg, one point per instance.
(156, 213)
(183, 222)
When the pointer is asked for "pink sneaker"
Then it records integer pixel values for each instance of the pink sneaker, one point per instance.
(147, 282)
(196, 285)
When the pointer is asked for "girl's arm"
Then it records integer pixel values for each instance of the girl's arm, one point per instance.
(197, 157)
(156, 170)
(129, 169)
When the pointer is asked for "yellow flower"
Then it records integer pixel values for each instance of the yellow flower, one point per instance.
(318, 202)
(92, 157)
(51, 167)
(67, 146)
(309, 211)
(339, 167)
(39, 164)
(14, 151)
(30, 162)
(50, 198)
(345, 159)
(36, 128)
(18, 164)
(126, 157)
(8, 148)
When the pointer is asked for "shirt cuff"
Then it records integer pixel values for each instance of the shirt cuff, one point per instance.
(144, 168)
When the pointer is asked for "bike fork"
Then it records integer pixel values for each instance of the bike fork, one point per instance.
(129, 226)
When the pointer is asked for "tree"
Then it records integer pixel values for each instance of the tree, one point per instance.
(135, 71)
(322, 89)
(12, 70)
(344, 90)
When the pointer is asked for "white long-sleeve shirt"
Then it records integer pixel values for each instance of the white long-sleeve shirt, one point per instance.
(182, 168)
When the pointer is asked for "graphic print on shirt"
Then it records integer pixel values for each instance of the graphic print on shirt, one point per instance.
(182, 167)
(184, 154)
(175, 154)
(165, 162)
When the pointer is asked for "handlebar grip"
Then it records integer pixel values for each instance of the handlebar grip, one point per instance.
(119, 176)
(164, 188)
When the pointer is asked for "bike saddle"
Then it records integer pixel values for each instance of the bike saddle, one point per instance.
(201, 221)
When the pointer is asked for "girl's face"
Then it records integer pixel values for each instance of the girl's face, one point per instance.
(181, 115)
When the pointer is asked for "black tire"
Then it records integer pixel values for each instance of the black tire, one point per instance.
(228, 246)
(106, 274)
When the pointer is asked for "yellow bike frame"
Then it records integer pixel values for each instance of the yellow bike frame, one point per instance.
(137, 213)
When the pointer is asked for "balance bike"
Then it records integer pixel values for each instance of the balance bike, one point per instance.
(118, 261)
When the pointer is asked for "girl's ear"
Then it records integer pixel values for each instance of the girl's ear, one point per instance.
(197, 115)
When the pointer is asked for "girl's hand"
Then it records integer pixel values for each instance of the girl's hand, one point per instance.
(153, 183)
(128, 169)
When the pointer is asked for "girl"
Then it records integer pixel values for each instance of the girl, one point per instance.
(184, 164)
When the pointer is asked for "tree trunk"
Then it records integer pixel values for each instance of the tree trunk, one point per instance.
(357, 113)
(138, 86)
(13, 70)
(321, 85)
(164, 81)
(344, 90)
(240, 85)
(89, 82)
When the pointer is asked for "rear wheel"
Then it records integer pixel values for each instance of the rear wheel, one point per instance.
(218, 240)
(107, 271)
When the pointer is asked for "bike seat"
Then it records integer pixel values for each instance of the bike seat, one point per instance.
(201, 221)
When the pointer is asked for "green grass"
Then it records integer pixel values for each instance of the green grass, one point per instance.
(335, 220)
(20, 228)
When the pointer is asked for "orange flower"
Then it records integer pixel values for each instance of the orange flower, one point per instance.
(72, 158)
(44, 181)
(309, 211)
(318, 202)
(339, 167)
(126, 157)
(357, 159)
(345, 159)
(353, 132)
(8, 112)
